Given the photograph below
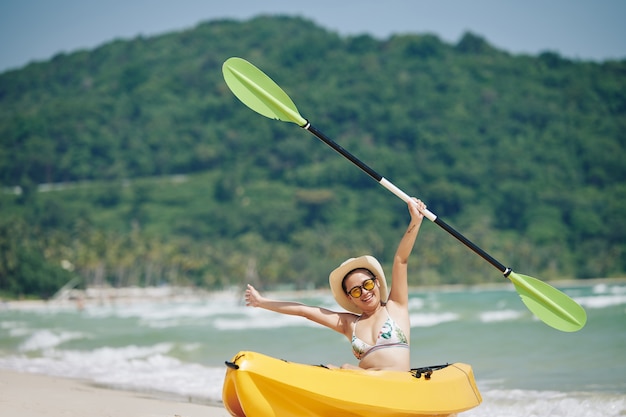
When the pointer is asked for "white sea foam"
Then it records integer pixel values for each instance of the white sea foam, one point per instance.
(10, 324)
(416, 303)
(618, 289)
(15, 328)
(19, 331)
(46, 339)
(600, 288)
(130, 367)
(261, 320)
(162, 311)
(608, 289)
(167, 315)
(602, 301)
(500, 315)
(524, 403)
(432, 319)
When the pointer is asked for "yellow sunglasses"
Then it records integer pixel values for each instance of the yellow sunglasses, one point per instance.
(368, 285)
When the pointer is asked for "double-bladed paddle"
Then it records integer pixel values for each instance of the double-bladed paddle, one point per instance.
(260, 93)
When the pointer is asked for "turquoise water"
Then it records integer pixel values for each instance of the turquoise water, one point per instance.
(178, 346)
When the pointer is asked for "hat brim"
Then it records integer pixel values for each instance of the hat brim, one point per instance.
(336, 277)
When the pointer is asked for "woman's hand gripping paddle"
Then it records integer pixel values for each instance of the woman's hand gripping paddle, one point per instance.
(259, 92)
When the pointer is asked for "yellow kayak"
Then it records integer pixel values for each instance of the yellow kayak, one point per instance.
(257, 385)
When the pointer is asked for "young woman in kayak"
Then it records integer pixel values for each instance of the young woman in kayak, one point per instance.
(378, 320)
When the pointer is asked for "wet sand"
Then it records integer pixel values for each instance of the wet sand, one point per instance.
(32, 395)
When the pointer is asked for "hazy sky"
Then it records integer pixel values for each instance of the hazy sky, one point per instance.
(35, 30)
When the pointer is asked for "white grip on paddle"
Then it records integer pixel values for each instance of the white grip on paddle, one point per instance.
(405, 197)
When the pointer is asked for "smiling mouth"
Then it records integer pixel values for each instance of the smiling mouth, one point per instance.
(367, 297)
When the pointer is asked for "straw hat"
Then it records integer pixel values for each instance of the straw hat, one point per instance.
(363, 262)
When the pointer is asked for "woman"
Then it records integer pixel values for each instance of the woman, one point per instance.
(378, 321)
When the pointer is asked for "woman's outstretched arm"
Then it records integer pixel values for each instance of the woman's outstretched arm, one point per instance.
(339, 322)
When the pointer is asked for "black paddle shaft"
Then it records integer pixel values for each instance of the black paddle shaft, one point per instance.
(369, 171)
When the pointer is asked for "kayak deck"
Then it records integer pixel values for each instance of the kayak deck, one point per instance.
(257, 385)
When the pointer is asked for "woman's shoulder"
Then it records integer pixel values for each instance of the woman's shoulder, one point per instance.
(347, 321)
(397, 310)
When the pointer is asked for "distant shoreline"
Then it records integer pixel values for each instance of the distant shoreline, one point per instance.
(131, 295)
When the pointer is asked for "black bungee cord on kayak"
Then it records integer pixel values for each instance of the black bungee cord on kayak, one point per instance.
(427, 371)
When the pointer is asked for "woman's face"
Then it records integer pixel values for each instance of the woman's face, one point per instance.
(356, 285)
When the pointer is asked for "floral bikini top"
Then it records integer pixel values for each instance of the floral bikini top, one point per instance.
(390, 335)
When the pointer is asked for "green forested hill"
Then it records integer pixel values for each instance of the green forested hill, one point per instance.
(161, 175)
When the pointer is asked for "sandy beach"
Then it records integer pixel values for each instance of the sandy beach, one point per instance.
(31, 395)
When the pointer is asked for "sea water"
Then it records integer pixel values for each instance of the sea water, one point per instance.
(178, 346)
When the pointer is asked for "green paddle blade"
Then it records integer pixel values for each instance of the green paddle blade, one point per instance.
(549, 304)
(259, 92)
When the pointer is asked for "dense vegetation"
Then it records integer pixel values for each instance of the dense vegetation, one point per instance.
(133, 164)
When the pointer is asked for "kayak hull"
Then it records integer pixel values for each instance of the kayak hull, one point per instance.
(257, 385)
